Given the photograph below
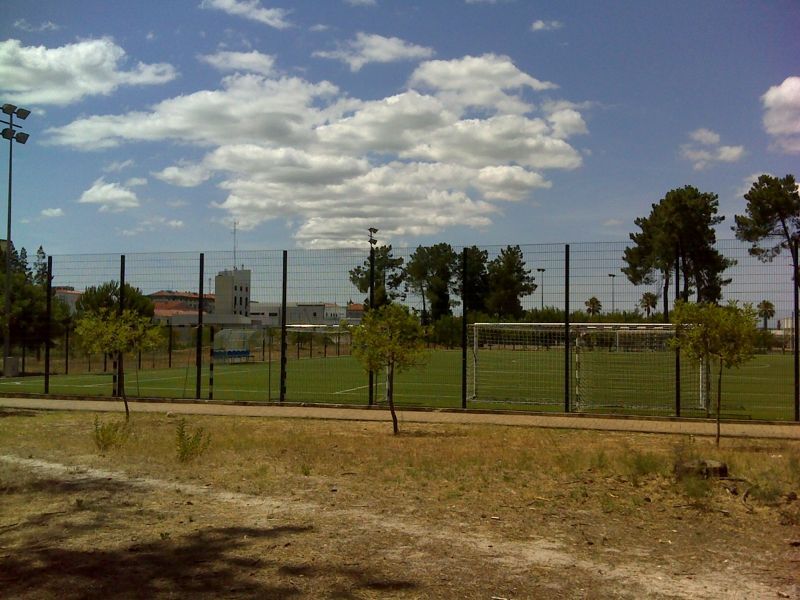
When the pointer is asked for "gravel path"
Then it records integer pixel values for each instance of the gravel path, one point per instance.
(639, 424)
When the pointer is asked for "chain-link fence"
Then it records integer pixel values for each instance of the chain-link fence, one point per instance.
(272, 326)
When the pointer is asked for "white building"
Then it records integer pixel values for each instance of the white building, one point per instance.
(232, 292)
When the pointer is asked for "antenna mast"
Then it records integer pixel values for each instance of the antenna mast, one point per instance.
(234, 243)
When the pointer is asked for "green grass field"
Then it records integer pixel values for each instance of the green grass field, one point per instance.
(604, 382)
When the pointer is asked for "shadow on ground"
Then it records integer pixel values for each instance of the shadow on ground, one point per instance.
(73, 540)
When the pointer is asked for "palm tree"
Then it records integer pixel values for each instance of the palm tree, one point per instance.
(649, 302)
(766, 310)
(593, 306)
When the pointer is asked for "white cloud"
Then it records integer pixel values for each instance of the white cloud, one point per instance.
(248, 108)
(361, 2)
(152, 224)
(111, 197)
(705, 150)
(480, 82)
(118, 165)
(253, 62)
(23, 25)
(136, 182)
(64, 75)
(782, 114)
(186, 175)
(51, 213)
(252, 10)
(449, 153)
(705, 137)
(371, 48)
(540, 25)
(318, 27)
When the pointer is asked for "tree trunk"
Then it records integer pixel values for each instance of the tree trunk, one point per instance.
(121, 387)
(666, 299)
(719, 399)
(390, 395)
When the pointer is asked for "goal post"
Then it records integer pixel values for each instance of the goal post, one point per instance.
(613, 366)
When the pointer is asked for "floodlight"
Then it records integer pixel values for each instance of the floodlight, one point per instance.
(9, 109)
(373, 230)
(8, 133)
(22, 137)
(23, 113)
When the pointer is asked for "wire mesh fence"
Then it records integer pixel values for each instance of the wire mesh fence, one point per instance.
(272, 326)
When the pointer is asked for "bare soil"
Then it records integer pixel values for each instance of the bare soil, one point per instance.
(315, 509)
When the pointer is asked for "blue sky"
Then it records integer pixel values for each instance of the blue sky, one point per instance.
(156, 125)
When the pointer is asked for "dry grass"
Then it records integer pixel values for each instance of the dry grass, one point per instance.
(613, 491)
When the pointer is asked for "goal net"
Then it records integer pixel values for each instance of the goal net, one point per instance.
(611, 366)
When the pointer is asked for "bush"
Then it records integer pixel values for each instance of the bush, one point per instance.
(110, 435)
(190, 446)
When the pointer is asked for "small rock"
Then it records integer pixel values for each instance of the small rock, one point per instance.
(701, 468)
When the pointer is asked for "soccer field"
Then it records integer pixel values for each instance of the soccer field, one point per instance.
(600, 382)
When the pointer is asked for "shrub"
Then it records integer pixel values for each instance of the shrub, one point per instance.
(110, 435)
(190, 446)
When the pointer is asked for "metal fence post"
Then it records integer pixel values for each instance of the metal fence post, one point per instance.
(282, 393)
(567, 350)
(48, 328)
(464, 328)
(678, 350)
(121, 308)
(211, 367)
(796, 335)
(199, 345)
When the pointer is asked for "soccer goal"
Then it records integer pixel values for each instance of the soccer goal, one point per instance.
(611, 366)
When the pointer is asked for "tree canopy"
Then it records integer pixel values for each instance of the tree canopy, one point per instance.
(28, 324)
(474, 288)
(509, 281)
(430, 272)
(679, 228)
(389, 277)
(106, 296)
(771, 222)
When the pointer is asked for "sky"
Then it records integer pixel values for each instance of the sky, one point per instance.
(159, 126)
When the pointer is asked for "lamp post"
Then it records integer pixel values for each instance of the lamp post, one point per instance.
(542, 270)
(613, 307)
(21, 137)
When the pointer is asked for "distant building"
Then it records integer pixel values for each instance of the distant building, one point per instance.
(232, 292)
(67, 295)
(298, 313)
(183, 300)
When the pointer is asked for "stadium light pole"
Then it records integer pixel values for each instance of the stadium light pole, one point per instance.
(21, 137)
(613, 303)
(542, 270)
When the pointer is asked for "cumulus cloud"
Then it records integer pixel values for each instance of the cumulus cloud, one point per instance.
(109, 196)
(51, 213)
(249, 107)
(187, 175)
(462, 140)
(782, 114)
(372, 48)
(253, 62)
(490, 82)
(704, 150)
(64, 75)
(252, 10)
(540, 25)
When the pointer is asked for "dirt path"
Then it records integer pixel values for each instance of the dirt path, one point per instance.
(428, 556)
(642, 425)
